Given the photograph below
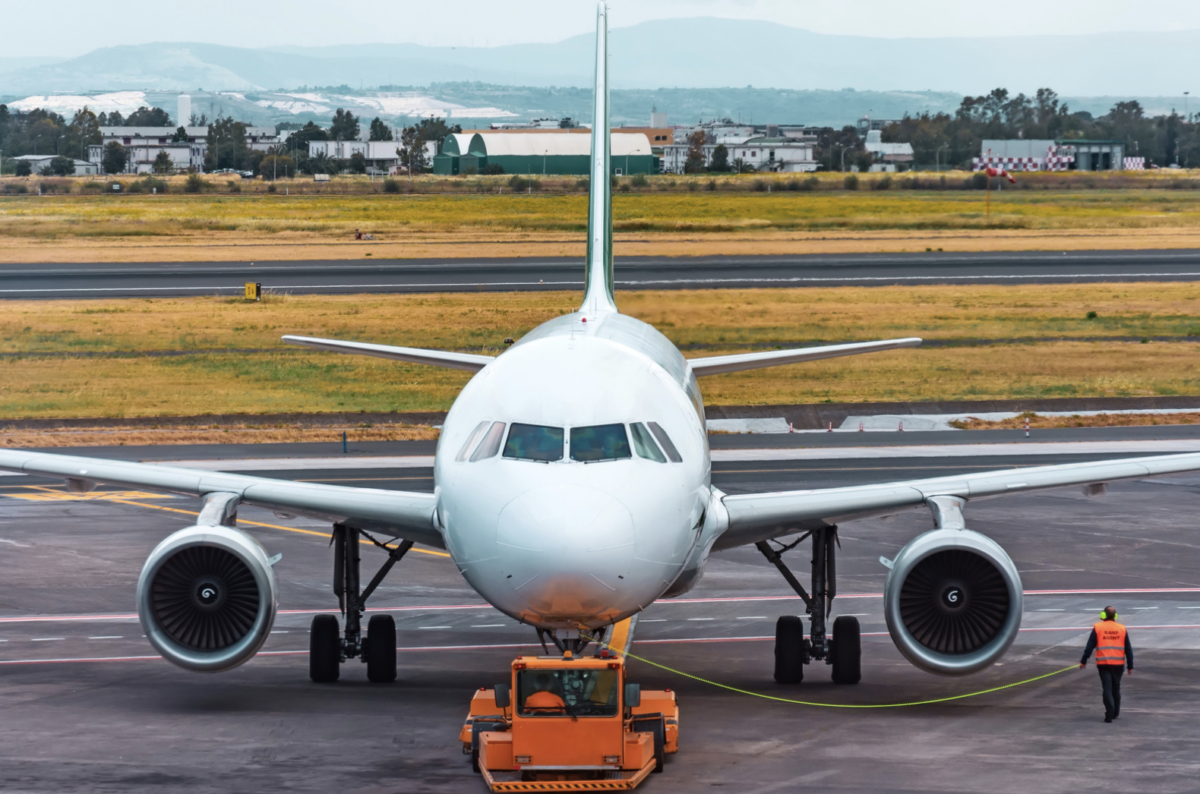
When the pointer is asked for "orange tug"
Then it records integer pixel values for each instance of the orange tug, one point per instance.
(568, 723)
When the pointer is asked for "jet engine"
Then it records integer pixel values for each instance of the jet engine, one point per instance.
(953, 601)
(206, 598)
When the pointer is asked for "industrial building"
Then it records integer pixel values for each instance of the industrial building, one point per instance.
(887, 155)
(1066, 154)
(546, 153)
(142, 145)
(39, 161)
(779, 154)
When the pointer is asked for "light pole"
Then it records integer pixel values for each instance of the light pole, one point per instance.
(1185, 105)
(937, 156)
(545, 154)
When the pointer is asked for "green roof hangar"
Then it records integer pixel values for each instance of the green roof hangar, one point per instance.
(543, 153)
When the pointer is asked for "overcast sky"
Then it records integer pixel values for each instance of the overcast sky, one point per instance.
(493, 22)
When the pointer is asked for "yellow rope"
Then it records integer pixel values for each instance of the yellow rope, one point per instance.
(844, 705)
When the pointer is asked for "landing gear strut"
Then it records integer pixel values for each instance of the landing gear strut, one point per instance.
(843, 649)
(327, 650)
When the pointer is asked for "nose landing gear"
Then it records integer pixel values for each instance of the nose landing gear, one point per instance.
(843, 650)
(328, 647)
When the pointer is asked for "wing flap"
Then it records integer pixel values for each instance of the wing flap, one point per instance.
(408, 514)
(755, 517)
(719, 365)
(413, 355)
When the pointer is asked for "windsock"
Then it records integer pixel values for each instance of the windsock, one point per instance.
(1000, 172)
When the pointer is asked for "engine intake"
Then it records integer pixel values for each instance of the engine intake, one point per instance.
(953, 601)
(206, 598)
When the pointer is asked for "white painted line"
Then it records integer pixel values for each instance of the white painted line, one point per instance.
(108, 637)
(433, 627)
(279, 632)
(856, 614)
(1187, 607)
(47, 639)
(961, 450)
(701, 619)
(302, 464)
(489, 626)
(1144, 607)
(653, 620)
(754, 617)
(1051, 610)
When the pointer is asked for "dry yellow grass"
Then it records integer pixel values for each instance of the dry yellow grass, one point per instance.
(262, 227)
(240, 433)
(1036, 342)
(1037, 421)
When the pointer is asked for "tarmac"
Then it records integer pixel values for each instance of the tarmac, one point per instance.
(88, 706)
(170, 279)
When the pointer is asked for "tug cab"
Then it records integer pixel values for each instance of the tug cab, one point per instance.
(566, 719)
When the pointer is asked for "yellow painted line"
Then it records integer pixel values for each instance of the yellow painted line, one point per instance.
(94, 496)
(620, 636)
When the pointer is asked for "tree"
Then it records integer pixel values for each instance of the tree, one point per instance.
(321, 163)
(344, 126)
(61, 166)
(198, 121)
(380, 131)
(83, 131)
(358, 163)
(276, 164)
(412, 151)
(163, 164)
(114, 119)
(436, 129)
(720, 159)
(148, 117)
(740, 166)
(113, 159)
(23, 168)
(695, 153)
(226, 145)
(180, 136)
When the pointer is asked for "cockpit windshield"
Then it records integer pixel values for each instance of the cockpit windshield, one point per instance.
(599, 442)
(534, 442)
(574, 693)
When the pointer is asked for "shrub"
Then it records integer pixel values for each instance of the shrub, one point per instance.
(979, 181)
(148, 184)
(759, 186)
(271, 188)
(16, 189)
(639, 180)
(1093, 316)
(711, 186)
(55, 186)
(493, 169)
(882, 184)
(850, 182)
(624, 187)
(391, 186)
(91, 187)
(583, 184)
(519, 183)
(234, 187)
(194, 184)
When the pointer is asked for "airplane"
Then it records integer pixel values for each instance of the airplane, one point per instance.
(573, 489)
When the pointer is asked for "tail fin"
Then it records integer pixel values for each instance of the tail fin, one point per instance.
(598, 290)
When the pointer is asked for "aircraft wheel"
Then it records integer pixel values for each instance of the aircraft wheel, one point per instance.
(846, 651)
(789, 650)
(324, 649)
(380, 649)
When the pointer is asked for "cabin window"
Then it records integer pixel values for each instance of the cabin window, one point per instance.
(599, 442)
(568, 693)
(665, 440)
(643, 442)
(491, 443)
(471, 441)
(534, 442)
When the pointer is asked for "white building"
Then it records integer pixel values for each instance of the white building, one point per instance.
(782, 155)
(887, 152)
(381, 156)
(39, 161)
(143, 144)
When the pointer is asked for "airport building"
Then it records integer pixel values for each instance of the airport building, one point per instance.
(143, 144)
(1056, 155)
(528, 152)
(780, 155)
(39, 161)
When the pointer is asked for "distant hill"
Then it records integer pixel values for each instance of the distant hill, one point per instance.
(682, 53)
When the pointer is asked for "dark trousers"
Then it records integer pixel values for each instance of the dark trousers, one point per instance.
(1110, 681)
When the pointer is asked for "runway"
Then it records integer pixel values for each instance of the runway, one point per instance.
(88, 706)
(169, 279)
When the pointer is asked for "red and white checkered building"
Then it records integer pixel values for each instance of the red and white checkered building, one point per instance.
(1057, 158)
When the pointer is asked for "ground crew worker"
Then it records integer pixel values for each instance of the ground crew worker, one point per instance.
(544, 699)
(1114, 654)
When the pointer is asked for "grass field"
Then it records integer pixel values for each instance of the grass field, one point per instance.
(175, 226)
(105, 358)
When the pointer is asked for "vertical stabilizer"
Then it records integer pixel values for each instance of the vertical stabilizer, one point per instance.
(598, 291)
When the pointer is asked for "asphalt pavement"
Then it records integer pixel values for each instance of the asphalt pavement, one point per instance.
(159, 279)
(88, 706)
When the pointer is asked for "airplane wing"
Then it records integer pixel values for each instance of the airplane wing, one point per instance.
(414, 355)
(719, 365)
(755, 517)
(407, 515)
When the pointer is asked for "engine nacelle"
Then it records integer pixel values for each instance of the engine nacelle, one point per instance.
(953, 601)
(206, 598)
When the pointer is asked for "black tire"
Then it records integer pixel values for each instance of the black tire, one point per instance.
(846, 651)
(380, 649)
(789, 650)
(324, 649)
(658, 728)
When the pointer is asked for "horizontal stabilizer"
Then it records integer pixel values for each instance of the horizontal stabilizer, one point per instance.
(413, 355)
(719, 365)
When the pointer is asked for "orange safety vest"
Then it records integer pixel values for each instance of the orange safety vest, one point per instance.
(1110, 642)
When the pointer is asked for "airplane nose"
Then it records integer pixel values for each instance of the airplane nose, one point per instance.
(567, 550)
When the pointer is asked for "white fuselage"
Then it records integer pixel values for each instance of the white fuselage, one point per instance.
(567, 544)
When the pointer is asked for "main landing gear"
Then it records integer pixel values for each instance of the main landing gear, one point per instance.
(843, 650)
(328, 647)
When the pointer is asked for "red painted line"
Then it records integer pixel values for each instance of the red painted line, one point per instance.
(665, 601)
(422, 648)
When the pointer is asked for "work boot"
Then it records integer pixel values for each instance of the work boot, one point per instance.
(1108, 719)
